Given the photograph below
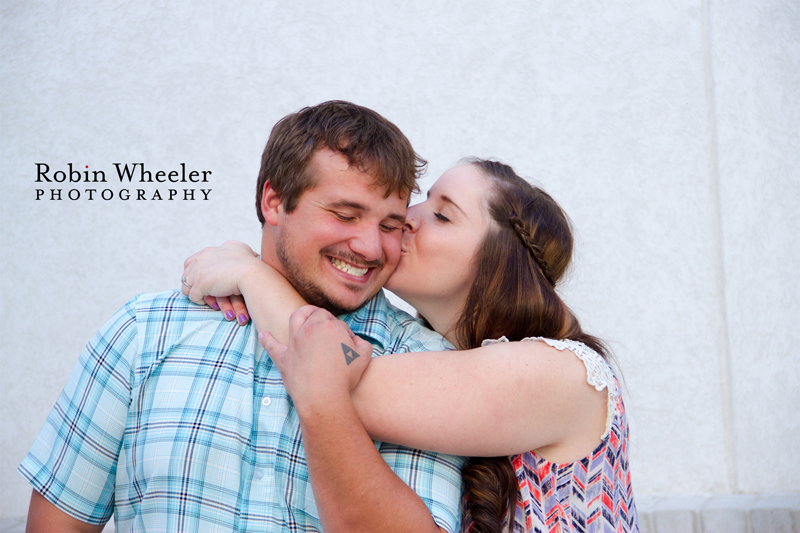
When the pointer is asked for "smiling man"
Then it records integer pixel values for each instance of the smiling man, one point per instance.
(175, 419)
(342, 241)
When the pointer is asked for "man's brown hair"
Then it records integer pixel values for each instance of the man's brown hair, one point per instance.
(370, 143)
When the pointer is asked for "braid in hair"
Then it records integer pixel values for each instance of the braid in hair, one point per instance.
(513, 295)
(534, 249)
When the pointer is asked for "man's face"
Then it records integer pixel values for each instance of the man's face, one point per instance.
(342, 241)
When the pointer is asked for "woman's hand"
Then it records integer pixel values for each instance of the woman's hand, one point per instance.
(324, 359)
(230, 306)
(212, 277)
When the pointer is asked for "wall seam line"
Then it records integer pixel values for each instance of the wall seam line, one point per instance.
(723, 334)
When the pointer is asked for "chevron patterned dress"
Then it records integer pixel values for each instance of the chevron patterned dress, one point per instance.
(590, 495)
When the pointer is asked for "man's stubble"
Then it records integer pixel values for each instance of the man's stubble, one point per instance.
(309, 288)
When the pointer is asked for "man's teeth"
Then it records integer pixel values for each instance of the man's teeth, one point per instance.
(348, 268)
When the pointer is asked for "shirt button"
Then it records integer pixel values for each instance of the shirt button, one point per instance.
(259, 473)
(265, 401)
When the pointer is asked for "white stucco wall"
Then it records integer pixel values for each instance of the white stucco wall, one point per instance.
(756, 68)
(669, 131)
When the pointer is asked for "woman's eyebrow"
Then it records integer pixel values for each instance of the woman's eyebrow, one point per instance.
(450, 201)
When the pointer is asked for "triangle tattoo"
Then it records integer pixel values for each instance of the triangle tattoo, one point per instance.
(349, 354)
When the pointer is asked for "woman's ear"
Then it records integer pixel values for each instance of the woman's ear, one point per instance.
(271, 205)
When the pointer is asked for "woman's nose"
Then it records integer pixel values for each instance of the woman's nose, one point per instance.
(411, 223)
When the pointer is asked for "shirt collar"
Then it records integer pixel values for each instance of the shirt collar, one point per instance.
(371, 320)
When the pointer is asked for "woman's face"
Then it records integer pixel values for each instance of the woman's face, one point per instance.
(440, 240)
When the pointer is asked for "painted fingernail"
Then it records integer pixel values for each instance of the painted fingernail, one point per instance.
(243, 319)
(216, 306)
(230, 315)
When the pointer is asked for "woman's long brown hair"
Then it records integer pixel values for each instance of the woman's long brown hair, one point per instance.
(523, 256)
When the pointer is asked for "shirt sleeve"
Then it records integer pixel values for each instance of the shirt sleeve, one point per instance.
(435, 477)
(73, 462)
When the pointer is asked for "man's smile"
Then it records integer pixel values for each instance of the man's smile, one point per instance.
(348, 268)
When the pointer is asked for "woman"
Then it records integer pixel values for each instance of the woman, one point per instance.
(481, 258)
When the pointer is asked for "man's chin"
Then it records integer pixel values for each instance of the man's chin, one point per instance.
(344, 298)
(337, 305)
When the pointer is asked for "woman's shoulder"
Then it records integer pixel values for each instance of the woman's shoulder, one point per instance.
(598, 371)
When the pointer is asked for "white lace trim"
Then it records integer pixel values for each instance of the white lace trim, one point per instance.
(598, 373)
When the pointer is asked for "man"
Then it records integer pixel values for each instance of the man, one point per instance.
(177, 420)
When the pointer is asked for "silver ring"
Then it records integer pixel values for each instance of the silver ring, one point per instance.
(183, 280)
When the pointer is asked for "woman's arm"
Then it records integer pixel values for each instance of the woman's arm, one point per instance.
(234, 269)
(496, 400)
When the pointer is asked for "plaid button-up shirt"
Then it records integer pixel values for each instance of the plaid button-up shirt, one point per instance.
(177, 420)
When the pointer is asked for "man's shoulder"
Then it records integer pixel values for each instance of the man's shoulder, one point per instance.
(165, 301)
(394, 329)
(167, 321)
(171, 305)
(170, 313)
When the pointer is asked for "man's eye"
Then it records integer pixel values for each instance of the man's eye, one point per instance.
(441, 217)
(389, 229)
(343, 217)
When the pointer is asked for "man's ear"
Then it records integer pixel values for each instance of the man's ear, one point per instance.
(271, 205)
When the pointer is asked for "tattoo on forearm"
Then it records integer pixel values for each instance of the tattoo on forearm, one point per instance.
(349, 354)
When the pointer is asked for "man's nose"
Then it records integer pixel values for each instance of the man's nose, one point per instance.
(367, 243)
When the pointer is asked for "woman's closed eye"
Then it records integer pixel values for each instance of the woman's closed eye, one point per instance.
(441, 217)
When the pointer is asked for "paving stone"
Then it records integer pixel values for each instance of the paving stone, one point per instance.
(646, 523)
(771, 521)
(676, 521)
(774, 514)
(726, 513)
(724, 521)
